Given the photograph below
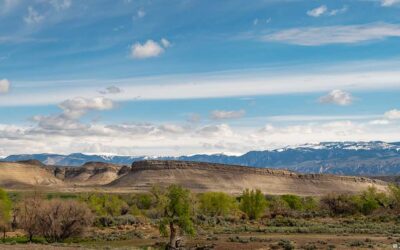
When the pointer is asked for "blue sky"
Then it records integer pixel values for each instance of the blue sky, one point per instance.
(176, 77)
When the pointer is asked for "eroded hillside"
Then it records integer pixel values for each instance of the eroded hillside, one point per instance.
(199, 177)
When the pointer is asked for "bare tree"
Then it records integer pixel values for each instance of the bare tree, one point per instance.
(27, 212)
(59, 219)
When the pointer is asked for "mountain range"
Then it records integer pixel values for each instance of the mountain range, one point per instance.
(342, 158)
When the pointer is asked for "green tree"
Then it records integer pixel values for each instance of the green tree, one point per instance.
(216, 204)
(5, 211)
(293, 201)
(253, 203)
(176, 215)
(394, 196)
(106, 204)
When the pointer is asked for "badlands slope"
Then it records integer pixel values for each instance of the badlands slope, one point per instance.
(199, 177)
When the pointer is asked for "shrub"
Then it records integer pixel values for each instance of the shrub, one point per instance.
(293, 201)
(278, 207)
(342, 204)
(216, 204)
(27, 213)
(106, 204)
(253, 203)
(59, 220)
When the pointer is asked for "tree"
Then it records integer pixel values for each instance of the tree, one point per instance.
(253, 203)
(5, 211)
(27, 212)
(61, 219)
(394, 194)
(217, 204)
(176, 215)
(293, 201)
(106, 204)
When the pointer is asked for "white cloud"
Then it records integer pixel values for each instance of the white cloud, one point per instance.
(317, 11)
(393, 114)
(388, 3)
(4, 86)
(379, 122)
(345, 34)
(61, 4)
(33, 16)
(141, 13)
(324, 11)
(76, 107)
(165, 43)
(335, 12)
(357, 76)
(146, 50)
(227, 114)
(110, 90)
(338, 97)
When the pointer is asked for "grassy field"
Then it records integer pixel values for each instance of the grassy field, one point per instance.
(369, 220)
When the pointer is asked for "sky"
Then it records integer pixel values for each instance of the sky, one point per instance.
(182, 77)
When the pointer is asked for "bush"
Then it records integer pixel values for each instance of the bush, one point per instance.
(216, 204)
(293, 201)
(253, 203)
(106, 204)
(278, 207)
(59, 220)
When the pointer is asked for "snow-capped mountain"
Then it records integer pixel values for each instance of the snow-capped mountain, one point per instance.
(347, 158)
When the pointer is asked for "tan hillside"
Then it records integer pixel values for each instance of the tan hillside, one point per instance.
(91, 174)
(199, 177)
(19, 175)
(233, 179)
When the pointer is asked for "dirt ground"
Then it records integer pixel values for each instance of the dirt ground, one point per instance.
(248, 241)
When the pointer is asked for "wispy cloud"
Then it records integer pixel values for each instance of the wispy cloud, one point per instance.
(349, 77)
(110, 90)
(319, 11)
(4, 86)
(388, 3)
(227, 114)
(324, 11)
(338, 97)
(33, 16)
(344, 34)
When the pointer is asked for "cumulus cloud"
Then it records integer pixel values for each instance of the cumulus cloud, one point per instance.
(33, 17)
(149, 49)
(340, 34)
(111, 90)
(338, 97)
(393, 114)
(227, 114)
(4, 86)
(76, 107)
(388, 3)
(324, 11)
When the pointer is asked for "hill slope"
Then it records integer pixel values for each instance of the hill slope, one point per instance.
(26, 175)
(234, 179)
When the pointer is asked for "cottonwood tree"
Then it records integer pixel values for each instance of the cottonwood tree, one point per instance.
(175, 205)
(253, 203)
